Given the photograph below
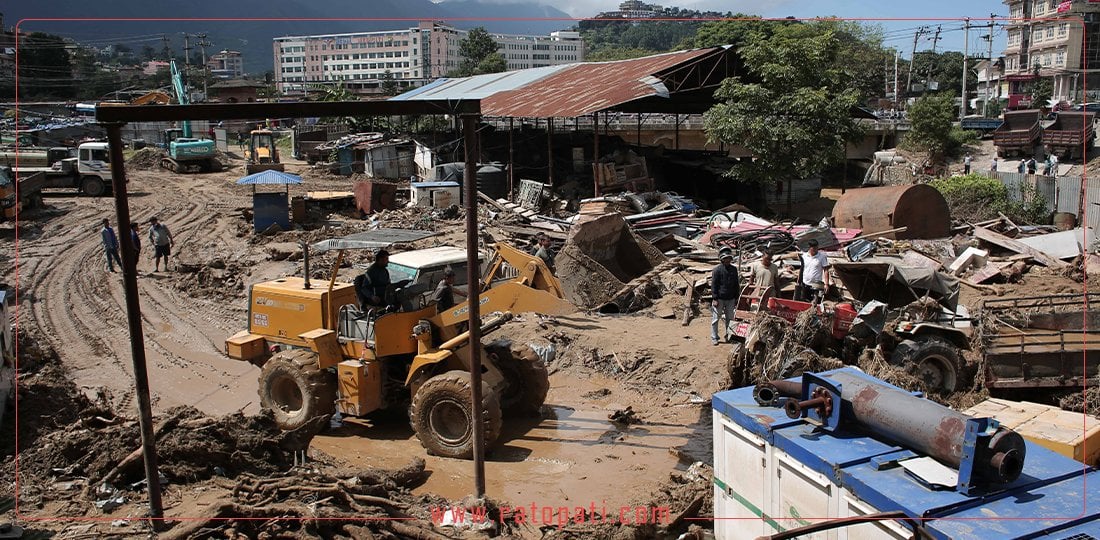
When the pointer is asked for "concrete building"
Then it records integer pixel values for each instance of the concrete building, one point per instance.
(1045, 39)
(226, 65)
(632, 9)
(361, 61)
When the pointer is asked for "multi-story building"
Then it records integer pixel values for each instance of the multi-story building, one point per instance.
(226, 65)
(411, 57)
(632, 9)
(1045, 39)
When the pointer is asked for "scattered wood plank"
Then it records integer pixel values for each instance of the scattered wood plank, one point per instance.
(986, 235)
(688, 294)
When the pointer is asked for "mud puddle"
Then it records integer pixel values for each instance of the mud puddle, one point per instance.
(573, 456)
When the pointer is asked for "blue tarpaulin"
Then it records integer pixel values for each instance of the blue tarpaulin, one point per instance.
(271, 177)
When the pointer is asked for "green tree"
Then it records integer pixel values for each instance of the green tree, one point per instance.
(479, 54)
(794, 115)
(1041, 92)
(930, 120)
(388, 84)
(45, 68)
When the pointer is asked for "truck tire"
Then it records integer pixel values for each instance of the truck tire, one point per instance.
(441, 415)
(527, 379)
(93, 186)
(932, 360)
(295, 389)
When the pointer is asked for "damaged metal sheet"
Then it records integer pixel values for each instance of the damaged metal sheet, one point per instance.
(885, 280)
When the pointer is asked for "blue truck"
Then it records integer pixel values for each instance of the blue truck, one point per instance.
(985, 126)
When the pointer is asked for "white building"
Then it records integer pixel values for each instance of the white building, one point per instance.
(411, 57)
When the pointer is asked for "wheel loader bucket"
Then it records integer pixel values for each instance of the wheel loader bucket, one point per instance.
(254, 168)
(601, 256)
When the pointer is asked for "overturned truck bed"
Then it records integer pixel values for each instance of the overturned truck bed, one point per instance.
(1040, 342)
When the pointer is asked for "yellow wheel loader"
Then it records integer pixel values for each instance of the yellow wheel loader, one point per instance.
(321, 352)
(262, 154)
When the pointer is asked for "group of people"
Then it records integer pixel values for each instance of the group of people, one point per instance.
(1030, 166)
(725, 284)
(159, 237)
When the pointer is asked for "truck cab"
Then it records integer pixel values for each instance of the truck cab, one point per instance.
(93, 168)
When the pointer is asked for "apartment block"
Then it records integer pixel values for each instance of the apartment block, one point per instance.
(226, 64)
(412, 57)
(1046, 38)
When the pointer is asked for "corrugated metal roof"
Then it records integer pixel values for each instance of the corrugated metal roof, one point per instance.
(480, 86)
(567, 90)
(589, 87)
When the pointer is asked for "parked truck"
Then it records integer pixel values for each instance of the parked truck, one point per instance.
(1019, 133)
(1070, 133)
(34, 156)
(88, 172)
(982, 125)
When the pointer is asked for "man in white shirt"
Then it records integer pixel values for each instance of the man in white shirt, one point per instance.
(815, 269)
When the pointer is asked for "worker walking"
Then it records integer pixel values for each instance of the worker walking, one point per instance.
(135, 239)
(110, 246)
(725, 289)
(815, 273)
(444, 295)
(993, 166)
(162, 241)
(966, 164)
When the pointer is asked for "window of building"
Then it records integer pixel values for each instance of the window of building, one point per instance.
(1060, 59)
(1063, 29)
(1050, 32)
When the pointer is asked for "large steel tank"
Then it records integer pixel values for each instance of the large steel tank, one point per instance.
(918, 207)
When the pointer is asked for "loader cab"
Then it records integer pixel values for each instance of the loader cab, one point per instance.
(170, 135)
(262, 147)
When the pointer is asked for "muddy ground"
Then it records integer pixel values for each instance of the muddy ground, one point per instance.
(79, 395)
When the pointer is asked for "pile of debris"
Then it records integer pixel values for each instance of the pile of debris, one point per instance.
(146, 158)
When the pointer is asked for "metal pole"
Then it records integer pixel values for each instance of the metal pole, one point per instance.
(897, 96)
(676, 119)
(511, 159)
(966, 54)
(596, 154)
(469, 131)
(550, 150)
(638, 116)
(913, 60)
(133, 315)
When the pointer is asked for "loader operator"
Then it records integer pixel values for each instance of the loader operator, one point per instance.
(371, 286)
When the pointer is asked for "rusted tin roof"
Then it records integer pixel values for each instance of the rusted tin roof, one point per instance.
(588, 87)
(578, 89)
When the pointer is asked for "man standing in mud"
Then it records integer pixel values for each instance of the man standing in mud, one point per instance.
(162, 241)
(724, 289)
(110, 246)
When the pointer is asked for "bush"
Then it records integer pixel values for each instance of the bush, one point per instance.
(975, 198)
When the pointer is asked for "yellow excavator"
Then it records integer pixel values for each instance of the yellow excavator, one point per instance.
(262, 154)
(155, 97)
(320, 351)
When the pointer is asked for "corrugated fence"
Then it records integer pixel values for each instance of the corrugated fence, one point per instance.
(1062, 193)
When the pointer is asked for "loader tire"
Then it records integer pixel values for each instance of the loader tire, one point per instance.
(527, 379)
(442, 415)
(295, 389)
(932, 360)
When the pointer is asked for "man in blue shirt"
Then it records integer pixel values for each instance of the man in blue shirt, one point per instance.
(725, 288)
(110, 246)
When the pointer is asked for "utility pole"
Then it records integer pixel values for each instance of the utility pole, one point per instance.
(989, 70)
(931, 65)
(897, 96)
(203, 43)
(167, 50)
(913, 59)
(966, 57)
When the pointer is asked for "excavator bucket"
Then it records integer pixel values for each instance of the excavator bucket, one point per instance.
(602, 263)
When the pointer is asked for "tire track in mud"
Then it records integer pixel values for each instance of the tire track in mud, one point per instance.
(80, 308)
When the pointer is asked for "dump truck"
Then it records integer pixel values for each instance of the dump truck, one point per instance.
(17, 194)
(982, 125)
(320, 351)
(89, 171)
(34, 156)
(1071, 134)
(1040, 342)
(1019, 133)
